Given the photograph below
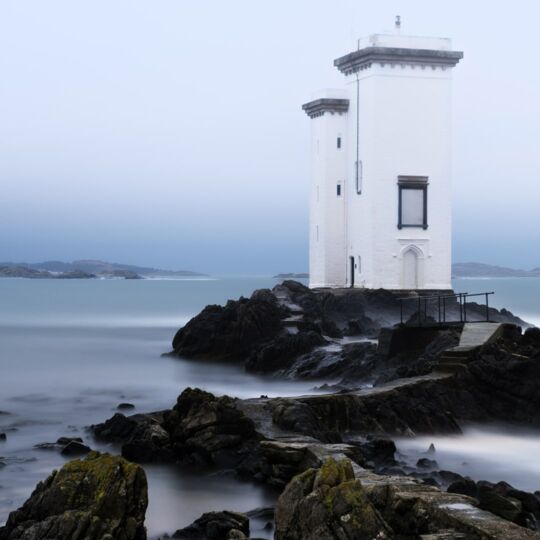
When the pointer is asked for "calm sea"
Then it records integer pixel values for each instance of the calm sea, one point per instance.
(70, 351)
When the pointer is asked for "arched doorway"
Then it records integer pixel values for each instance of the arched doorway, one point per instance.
(410, 269)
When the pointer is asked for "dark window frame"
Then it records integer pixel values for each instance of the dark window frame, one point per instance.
(413, 182)
(338, 143)
(338, 190)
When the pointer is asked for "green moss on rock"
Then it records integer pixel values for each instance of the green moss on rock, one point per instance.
(86, 499)
(328, 503)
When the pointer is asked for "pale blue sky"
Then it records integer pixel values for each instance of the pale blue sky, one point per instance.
(170, 133)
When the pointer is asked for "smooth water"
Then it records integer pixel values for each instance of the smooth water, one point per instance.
(70, 351)
(483, 453)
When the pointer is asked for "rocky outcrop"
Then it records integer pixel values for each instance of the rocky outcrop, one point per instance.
(100, 497)
(200, 429)
(143, 437)
(503, 500)
(341, 500)
(499, 383)
(208, 429)
(233, 331)
(284, 331)
(328, 503)
(216, 526)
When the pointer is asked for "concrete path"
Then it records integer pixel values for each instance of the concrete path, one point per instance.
(476, 334)
(473, 336)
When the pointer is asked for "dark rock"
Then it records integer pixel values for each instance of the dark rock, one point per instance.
(207, 429)
(232, 332)
(464, 486)
(149, 443)
(3, 437)
(532, 337)
(115, 429)
(276, 463)
(143, 436)
(282, 351)
(378, 452)
(266, 513)
(47, 446)
(66, 440)
(216, 526)
(499, 505)
(425, 463)
(125, 406)
(75, 448)
(100, 497)
(449, 477)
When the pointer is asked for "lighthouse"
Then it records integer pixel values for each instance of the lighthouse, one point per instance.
(380, 202)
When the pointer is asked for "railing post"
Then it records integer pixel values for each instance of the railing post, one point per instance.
(460, 308)
(444, 309)
(401, 310)
(487, 307)
(439, 307)
(464, 308)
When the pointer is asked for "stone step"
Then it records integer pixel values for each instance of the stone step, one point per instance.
(446, 359)
(450, 368)
(450, 534)
(458, 352)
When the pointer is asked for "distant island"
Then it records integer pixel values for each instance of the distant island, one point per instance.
(467, 269)
(87, 269)
(474, 269)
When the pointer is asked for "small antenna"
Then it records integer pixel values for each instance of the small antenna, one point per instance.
(398, 22)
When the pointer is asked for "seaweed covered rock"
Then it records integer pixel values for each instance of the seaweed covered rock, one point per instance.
(326, 504)
(232, 331)
(100, 497)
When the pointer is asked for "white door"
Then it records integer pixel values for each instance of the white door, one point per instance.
(410, 270)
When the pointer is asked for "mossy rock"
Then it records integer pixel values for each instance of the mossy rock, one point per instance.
(328, 503)
(101, 496)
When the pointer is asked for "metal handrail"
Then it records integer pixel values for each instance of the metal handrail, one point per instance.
(441, 299)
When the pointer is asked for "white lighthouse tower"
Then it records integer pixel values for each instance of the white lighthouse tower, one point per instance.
(380, 208)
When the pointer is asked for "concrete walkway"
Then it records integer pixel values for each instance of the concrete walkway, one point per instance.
(476, 334)
(473, 336)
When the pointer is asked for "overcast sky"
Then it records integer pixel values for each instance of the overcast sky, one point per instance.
(169, 133)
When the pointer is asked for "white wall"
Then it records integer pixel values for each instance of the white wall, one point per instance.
(404, 124)
(327, 209)
(402, 128)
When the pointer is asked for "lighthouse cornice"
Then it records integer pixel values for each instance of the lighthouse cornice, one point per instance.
(364, 58)
(318, 107)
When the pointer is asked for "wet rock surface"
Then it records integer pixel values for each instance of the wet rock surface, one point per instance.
(287, 330)
(200, 429)
(328, 503)
(216, 526)
(503, 500)
(100, 497)
(339, 500)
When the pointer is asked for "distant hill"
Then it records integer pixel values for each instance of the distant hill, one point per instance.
(468, 269)
(474, 269)
(31, 273)
(88, 266)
